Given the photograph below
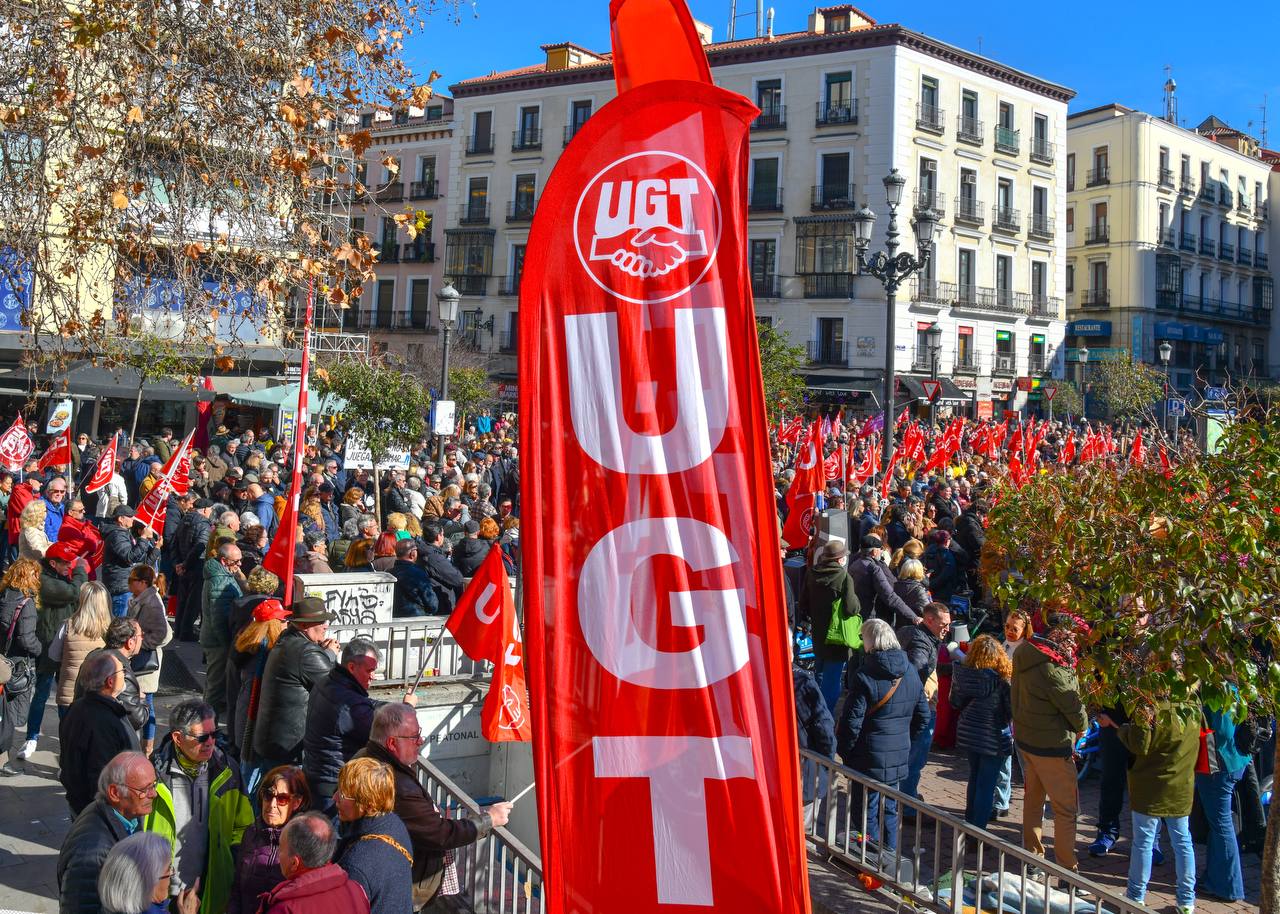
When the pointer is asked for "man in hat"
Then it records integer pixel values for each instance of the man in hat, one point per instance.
(329, 511)
(300, 660)
(123, 547)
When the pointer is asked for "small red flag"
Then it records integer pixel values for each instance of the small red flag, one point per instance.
(104, 469)
(1165, 466)
(1068, 451)
(15, 446)
(59, 452)
(1138, 454)
(485, 625)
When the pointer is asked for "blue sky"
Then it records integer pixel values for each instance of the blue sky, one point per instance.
(1107, 52)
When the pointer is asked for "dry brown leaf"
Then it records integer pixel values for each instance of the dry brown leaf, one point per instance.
(134, 116)
(119, 200)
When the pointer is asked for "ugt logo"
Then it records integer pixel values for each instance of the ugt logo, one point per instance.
(647, 226)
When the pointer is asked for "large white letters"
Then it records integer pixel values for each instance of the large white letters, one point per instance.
(677, 768)
(596, 398)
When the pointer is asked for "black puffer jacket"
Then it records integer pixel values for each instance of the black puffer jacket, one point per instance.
(878, 744)
(823, 585)
(874, 582)
(971, 534)
(94, 832)
(914, 594)
(921, 648)
(339, 715)
(120, 552)
(295, 666)
(468, 554)
(92, 733)
(982, 698)
(25, 643)
(944, 572)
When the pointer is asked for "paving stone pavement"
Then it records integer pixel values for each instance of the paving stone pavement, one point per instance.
(34, 818)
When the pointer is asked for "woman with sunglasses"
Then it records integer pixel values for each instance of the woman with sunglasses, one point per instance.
(282, 793)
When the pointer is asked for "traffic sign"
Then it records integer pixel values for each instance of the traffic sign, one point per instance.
(1177, 406)
(1050, 391)
(1215, 393)
(931, 389)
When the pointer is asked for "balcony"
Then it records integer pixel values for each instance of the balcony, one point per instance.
(404, 321)
(828, 285)
(930, 118)
(987, 301)
(932, 292)
(1187, 185)
(1006, 219)
(1208, 247)
(419, 252)
(1095, 298)
(1188, 242)
(1037, 363)
(966, 363)
(774, 118)
(969, 211)
(831, 353)
(1004, 364)
(1169, 238)
(1260, 260)
(931, 200)
(836, 112)
(969, 130)
(471, 284)
(1046, 308)
(1262, 212)
(765, 287)
(1007, 140)
(833, 196)
(526, 139)
(1242, 205)
(1166, 178)
(1043, 151)
(507, 341)
(1097, 234)
(1245, 257)
(389, 252)
(508, 285)
(1213, 308)
(765, 200)
(390, 193)
(1208, 193)
(424, 190)
(1098, 176)
(569, 131)
(474, 214)
(480, 144)
(1041, 226)
(1226, 251)
(1225, 197)
(521, 210)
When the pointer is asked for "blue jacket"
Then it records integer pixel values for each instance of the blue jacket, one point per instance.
(414, 593)
(332, 522)
(384, 870)
(53, 518)
(982, 698)
(1224, 738)
(265, 507)
(879, 744)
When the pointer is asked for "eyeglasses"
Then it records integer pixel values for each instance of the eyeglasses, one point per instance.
(280, 799)
(415, 737)
(57, 491)
(143, 791)
(168, 874)
(201, 738)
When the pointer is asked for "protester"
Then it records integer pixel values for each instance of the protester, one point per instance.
(83, 633)
(300, 660)
(61, 577)
(312, 884)
(95, 729)
(19, 588)
(33, 540)
(1222, 879)
(373, 843)
(816, 729)
(123, 548)
(136, 878)
(921, 643)
(223, 585)
(246, 664)
(146, 605)
(828, 588)
(980, 695)
(124, 639)
(445, 577)
(873, 583)
(281, 795)
(315, 559)
(414, 594)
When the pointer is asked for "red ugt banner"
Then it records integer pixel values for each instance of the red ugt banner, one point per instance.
(663, 718)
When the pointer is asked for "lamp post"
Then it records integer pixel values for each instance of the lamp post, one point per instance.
(447, 302)
(892, 268)
(1166, 352)
(1082, 356)
(934, 337)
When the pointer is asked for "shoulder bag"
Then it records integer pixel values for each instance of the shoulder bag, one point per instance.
(16, 674)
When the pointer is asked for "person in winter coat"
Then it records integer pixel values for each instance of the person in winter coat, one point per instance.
(1164, 742)
(122, 549)
(22, 495)
(246, 662)
(189, 557)
(301, 659)
(223, 586)
(414, 595)
(146, 605)
(910, 587)
(315, 559)
(971, 530)
(445, 577)
(19, 589)
(940, 562)
(827, 583)
(884, 710)
(282, 794)
(94, 730)
(373, 844)
(33, 541)
(923, 642)
(469, 552)
(980, 695)
(1047, 717)
(339, 716)
(1223, 879)
(312, 885)
(84, 633)
(124, 797)
(873, 582)
(817, 732)
(61, 577)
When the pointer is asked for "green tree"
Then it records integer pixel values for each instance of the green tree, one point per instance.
(470, 389)
(1177, 577)
(386, 407)
(1067, 402)
(1127, 389)
(780, 366)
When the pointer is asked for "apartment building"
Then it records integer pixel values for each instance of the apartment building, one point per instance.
(842, 103)
(406, 168)
(1169, 240)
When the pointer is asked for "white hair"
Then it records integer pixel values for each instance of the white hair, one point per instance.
(388, 719)
(116, 771)
(131, 871)
(877, 635)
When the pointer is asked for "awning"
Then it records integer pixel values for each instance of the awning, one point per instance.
(825, 383)
(84, 380)
(950, 393)
(285, 396)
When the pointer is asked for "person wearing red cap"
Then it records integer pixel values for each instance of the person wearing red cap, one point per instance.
(245, 663)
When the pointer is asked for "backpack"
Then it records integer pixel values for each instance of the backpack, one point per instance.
(1252, 734)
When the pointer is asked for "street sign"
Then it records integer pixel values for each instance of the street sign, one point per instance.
(1050, 391)
(931, 389)
(1177, 406)
(1215, 393)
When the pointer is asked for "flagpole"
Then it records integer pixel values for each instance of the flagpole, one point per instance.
(300, 423)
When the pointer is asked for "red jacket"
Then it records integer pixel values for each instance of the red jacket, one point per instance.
(84, 538)
(19, 498)
(328, 890)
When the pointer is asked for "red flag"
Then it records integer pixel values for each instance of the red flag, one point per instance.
(1068, 451)
(1016, 472)
(810, 472)
(789, 432)
(152, 508)
(888, 473)
(59, 452)
(1137, 454)
(1165, 466)
(15, 446)
(798, 529)
(104, 469)
(178, 466)
(831, 465)
(865, 470)
(659, 680)
(1014, 445)
(485, 625)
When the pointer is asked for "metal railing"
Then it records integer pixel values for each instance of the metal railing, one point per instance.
(1042, 150)
(969, 210)
(828, 285)
(389, 252)
(929, 118)
(1007, 139)
(1169, 237)
(1042, 226)
(474, 214)
(497, 874)
(1004, 364)
(1045, 307)
(507, 341)
(1207, 192)
(1244, 256)
(1096, 234)
(967, 363)
(1226, 251)
(771, 118)
(1260, 259)
(419, 252)
(830, 112)
(1225, 196)
(922, 360)
(828, 352)
(526, 138)
(765, 199)
(1187, 242)
(1095, 298)
(1208, 246)
(931, 200)
(404, 645)
(471, 284)
(1005, 218)
(390, 193)
(832, 196)
(1099, 175)
(927, 863)
(1166, 177)
(521, 210)
(930, 291)
(765, 287)
(508, 285)
(969, 130)
(1187, 184)
(424, 190)
(480, 144)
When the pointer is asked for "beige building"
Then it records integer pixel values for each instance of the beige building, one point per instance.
(842, 103)
(1169, 239)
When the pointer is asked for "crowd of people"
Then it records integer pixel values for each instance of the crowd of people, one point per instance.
(911, 655)
(285, 786)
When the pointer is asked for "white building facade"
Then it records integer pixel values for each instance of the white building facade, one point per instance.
(842, 104)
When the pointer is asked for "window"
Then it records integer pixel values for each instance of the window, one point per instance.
(1100, 174)
(1006, 344)
(517, 265)
(1039, 280)
(1071, 218)
(830, 343)
(823, 247)
(1071, 277)
(401, 116)
(839, 97)
(388, 230)
(1098, 276)
(578, 115)
(1071, 171)
(435, 112)
(1257, 195)
(769, 97)
(1004, 195)
(1204, 174)
(482, 131)
(1186, 169)
(525, 197)
(357, 227)
(965, 277)
(969, 129)
(420, 302)
(385, 302)
(477, 199)
(1037, 352)
(1040, 129)
(528, 133)
(1242, 292)
(924, 355)
(968, 193)
(764, 266)
(836, 188)
(1004, 279)
(366, 120)
(468, 253)
(1100, 217)
(930, 116)
(1164, 162)
(362, 174)
(391, 170)
(764, 184)
(1259, 355)
(1006, 115)
(1164, 224)
(928, 182)
(964, 347)
(427, 170)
